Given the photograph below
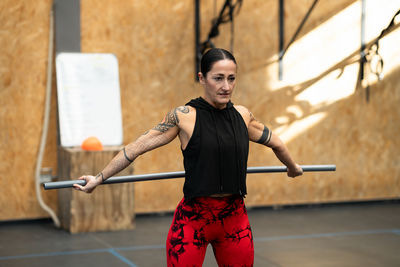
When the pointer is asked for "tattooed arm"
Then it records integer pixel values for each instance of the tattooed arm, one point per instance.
(260, 133)
(160, 135)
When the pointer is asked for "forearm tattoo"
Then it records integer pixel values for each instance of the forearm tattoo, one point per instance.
(265, 137)
(126, 156)
(117, 164)
(100, 175)
(171, 119)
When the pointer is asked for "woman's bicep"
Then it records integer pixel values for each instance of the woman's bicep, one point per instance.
(153, 139)
(259, 133)
(157, 138)
(163, 133)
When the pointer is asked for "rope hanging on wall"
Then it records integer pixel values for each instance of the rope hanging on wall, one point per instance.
(282, 49)
(230, 9)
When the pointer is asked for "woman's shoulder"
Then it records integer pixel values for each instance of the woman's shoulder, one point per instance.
(184, 113)
(242, 110)
(246, 114)
(183, 109)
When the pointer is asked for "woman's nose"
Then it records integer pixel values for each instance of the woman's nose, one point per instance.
(225, 84)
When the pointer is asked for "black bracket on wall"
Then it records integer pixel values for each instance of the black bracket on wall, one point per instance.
(363, 57)
(282, 49)
(67, 25)
(197, 52)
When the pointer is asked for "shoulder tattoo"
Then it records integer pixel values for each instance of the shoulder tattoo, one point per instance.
(171, 119)
(182, 109)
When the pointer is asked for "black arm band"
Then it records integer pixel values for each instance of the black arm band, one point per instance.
(265, 137)
(126, 156)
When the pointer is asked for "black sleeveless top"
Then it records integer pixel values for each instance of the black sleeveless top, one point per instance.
(215, 158)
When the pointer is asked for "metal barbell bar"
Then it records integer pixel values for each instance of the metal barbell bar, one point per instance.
(180, 174)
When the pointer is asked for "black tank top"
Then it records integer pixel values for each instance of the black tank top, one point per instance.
(215, 158)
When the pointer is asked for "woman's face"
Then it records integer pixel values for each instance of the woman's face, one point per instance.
(219, 83)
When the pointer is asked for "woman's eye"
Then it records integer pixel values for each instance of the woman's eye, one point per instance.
(218, 79)
(231, 79)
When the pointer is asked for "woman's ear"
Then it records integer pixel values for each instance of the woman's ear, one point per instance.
(201, 77)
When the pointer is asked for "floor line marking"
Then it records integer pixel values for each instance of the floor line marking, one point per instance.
(335, 234)
(396, 231)
(132, 248)
(160, 246)
(56, 253)
(122, 258)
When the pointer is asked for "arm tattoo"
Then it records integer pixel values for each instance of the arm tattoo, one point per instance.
(102, 176)
(183, 109)
(171, 119)
(265, 137)
(126, 156)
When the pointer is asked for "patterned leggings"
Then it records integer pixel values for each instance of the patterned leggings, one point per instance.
(221, 221)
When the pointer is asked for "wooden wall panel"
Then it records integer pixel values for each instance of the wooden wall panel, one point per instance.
(154, 43)
(23, 60)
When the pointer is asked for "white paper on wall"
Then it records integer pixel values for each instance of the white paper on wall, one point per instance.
(89, 102)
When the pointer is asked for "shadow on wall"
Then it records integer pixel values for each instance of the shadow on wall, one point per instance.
(336, 125)
(291, 92)
(361, 138)
(324, 118)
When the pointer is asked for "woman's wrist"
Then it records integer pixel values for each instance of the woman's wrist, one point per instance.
(100, 178)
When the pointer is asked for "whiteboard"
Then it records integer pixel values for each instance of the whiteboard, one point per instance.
(89, 102)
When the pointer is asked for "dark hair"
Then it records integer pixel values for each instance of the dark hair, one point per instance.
(213, 55)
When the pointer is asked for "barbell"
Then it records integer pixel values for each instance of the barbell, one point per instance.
(180, 174)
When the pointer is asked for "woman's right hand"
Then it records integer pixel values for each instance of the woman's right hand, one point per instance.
(91, 183)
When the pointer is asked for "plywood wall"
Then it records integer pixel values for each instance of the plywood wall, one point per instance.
(24, 42)
(315, 108)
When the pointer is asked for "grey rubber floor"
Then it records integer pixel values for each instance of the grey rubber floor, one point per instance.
(358, 234)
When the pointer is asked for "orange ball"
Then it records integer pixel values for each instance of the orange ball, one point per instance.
(92, 144)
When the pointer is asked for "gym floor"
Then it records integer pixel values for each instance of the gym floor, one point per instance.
(351, 234)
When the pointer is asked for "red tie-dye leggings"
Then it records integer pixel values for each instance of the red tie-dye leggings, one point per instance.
(221, 221)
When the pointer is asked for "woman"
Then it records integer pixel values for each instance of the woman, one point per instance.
(214, 136)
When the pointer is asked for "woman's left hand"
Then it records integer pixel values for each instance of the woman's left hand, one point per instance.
(295, 171)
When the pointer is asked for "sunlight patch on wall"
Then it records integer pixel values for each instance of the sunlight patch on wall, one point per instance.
(389, 49)
(289, 132)
(331, 88)
(323, 47)
(331, 42)
(319, 69)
